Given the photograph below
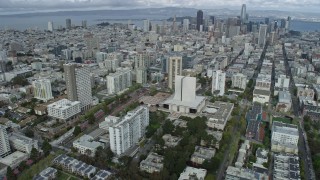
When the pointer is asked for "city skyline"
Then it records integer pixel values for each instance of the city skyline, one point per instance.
(26, 6)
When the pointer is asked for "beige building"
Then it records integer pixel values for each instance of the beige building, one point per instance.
(175, 68)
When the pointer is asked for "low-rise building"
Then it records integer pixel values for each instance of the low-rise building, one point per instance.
(286, 166)
(64, 109)
(22, 143)
(47, 174)
(218, 114)
(201, 154)
(193, 173)
(284, 138)
(102, 175)
(153, 163)
(171, 141)
(242, 153)
(260, 95)
(236, 173)
(86, 145)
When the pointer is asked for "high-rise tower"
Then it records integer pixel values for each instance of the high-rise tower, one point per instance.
(175, 68)
(78, 83)
(262, 35)
(199, 19)
(243, 14)
(68, 23)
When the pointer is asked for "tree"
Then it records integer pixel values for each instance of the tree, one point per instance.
(10, 174)
(34, 155)
(91, 118)
(46, 148)
(168, 127)
(19, 80)
(29, 133)
(76, 131)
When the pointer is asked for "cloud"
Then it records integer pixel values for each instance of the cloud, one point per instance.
(67, 4)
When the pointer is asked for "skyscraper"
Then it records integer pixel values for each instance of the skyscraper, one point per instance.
(243, 15)
(50, 26)
(218, 82)
(93, 44)
(42, 89)
(262, 35)
(4, 142)
(78, 84)
(175, 68)
(186, 25)
(68, 23)
(146, 25)
(84, 24)
(199, 19)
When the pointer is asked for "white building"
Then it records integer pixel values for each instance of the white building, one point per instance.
(50, 26)
(175, 69)
(284, 138)
(218, 82)
(129, 130)
(186, 25)
(283, 82)
(86, 145)
(119, 81)
(153, 163)
(239, 80)
(64, 109)
(261, 96)
(146, 25)
(101, 56)
(4, 141)
(141, 75)
(42, 89)
(184, 99)
(111, 64)
(22, 143)
(193, 173)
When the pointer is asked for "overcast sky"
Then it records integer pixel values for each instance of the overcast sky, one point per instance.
(27, 5)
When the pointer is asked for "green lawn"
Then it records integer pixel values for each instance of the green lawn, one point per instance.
(38, 167)
(282, 119)
(65, 176)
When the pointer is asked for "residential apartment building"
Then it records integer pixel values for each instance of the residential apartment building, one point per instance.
(218, 82)
(175, 69)
(153, 163)
(239, 81)
(119, 81)
(64, 109)
(4, 142)
(22, 143)
(86, 145)
(42, 89)
(78, 82)
(284, 138)
(129, 130)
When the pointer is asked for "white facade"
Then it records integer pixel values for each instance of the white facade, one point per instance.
(285, 138)
(64, 109)
(239, 81)
(22, 143)
(186, 25)
(146, 25)
(42, 89)
(4, 142)
(50, 26)
(119, 81)
(184, 99)
(111, 64)
(141, 75)
(86, 145)
(175, 68)
(130, 129)
(218, 82)
(283, 82)
(101, 56)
